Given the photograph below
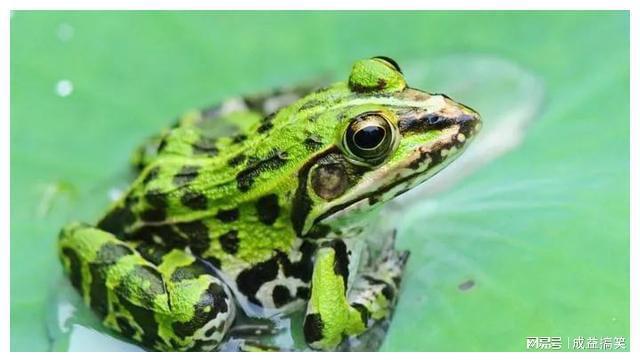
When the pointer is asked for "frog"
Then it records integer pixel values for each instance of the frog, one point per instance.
(264, 205)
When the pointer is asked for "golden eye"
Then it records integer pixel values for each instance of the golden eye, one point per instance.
(369, 137)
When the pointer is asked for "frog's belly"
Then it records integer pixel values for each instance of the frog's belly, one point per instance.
(268, 294)
(277, 285)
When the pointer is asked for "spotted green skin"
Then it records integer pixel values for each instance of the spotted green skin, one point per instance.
(260, 204)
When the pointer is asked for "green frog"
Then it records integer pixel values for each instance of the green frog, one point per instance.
(263, 205)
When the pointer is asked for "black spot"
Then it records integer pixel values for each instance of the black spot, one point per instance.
(151, 175)
(228, 215)
(388, 292)
(144, 318)
(165, 233)
(75, 268)
(418, 162)
(303, 293)
(152, 252)
(185, 175)
(362, 88)
(229, 242)
(303, 268)
(209, 332)
(197, 235)
(364, 312)
(156, 198)
(250, 280)
(281, 296)
(116, 220)
(319, 231)
(203, 346)
(268, 209)
(313, 143)
(214, 298)
(176, 345)
(341, 259)
(146, 275)
(265, 127)
(131, 200)
(162, 145)
(214, 261)
(110, 252)
(238, 138)
(387, 289)
(310, 104)
(153, 215)
(206, 146)
(98, 298)
(194, 200)
(313, 327)
(237, 160)
(466, 285)
(246, 177)
(186, 272)
(269, 118)
(125, 327)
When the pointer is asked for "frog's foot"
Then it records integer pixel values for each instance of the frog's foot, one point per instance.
(168, 301)
(374, 292)
(390, 264)
(248, 345)
(332, 313)
(253, 330)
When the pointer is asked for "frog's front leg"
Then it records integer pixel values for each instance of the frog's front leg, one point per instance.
(165, 299)
(333, 311)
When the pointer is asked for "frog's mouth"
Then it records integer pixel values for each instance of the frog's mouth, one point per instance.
(420, 164)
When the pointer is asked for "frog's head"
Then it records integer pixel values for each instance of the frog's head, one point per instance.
(387, 139)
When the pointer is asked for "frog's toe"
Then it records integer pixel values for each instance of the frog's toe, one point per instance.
(247, 330)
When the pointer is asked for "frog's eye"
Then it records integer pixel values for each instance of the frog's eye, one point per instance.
(369, 138)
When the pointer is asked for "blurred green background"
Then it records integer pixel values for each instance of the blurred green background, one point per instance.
(534, 244)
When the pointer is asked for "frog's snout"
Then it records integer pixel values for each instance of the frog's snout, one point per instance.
(465, 120)
(469, 121)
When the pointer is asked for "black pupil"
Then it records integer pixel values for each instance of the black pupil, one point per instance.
(369, 137)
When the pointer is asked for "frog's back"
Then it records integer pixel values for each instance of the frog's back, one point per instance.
(228, 199)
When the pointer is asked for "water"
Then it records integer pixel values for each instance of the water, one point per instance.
(64, 88)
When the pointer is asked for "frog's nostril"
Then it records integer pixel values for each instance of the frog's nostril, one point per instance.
(469, 123)
(435, 119)
(467, 118)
